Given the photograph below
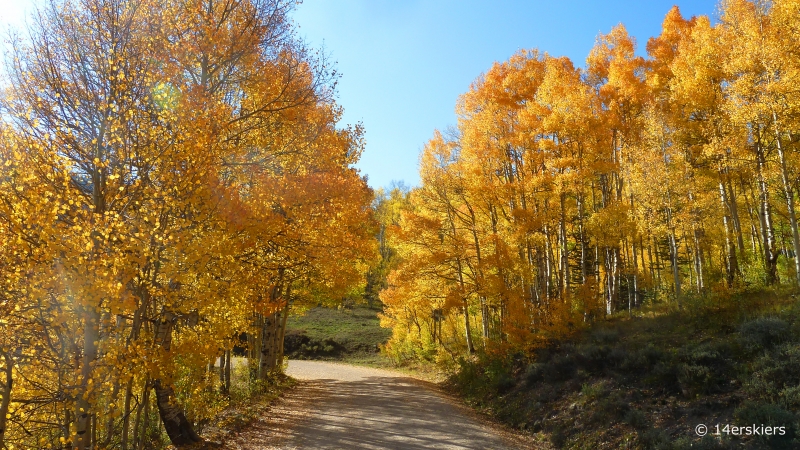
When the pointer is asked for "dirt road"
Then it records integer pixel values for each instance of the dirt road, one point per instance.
(346, 407)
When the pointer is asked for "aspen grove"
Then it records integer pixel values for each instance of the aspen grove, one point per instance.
(172, 177)
(570, 194)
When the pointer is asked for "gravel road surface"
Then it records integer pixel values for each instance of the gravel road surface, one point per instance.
(346, 407)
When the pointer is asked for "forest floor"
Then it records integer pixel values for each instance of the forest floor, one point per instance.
(337, 406)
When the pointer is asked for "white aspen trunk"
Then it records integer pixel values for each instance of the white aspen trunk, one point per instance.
(267, 340)
(470, 346)
(734, 209)
(547, 268)
(227, 371)
(635, 264)
(673, 245)
(479, 279)
(283, 322)
(789, 193)
(731, 263)
(222, 361)
(459, 267)
(582, 238)
(83, 405)
(765, 211)
(564, 252)
(689, 257)
(609, 281)
(698, 261)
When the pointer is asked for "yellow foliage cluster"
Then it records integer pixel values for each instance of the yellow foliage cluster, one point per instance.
(169, 170)
(566, 194)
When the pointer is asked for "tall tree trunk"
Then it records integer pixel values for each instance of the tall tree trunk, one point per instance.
(222, 371)
(479, 278)
(731, 263)
(658, 260)
(564, 252)
(266, 352)
(227, 371)
(179, 429)
(789, 193)
(765, 211)
(676, 275)
(755, 218)
(83, 405)
(140, 424)
(285, 318)
(635, 264)
(689, 257)
(461, 285)
(126, 414)
(502, 322)
(5, 394)
(734, 209)
(547, 267)
(698, 261)
(470, 346)
(582, 238)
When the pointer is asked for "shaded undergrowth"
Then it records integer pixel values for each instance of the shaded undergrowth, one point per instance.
(247, 402)
(647, 382)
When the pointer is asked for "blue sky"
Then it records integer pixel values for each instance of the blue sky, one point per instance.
(405, 62)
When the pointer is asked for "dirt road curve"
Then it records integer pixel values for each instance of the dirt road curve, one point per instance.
(343, 407)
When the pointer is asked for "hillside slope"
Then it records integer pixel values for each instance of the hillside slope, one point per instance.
(649, 382)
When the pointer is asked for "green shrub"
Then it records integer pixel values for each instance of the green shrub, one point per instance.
(593, 391)
(467, 378)
(654, 439)
(704, 369)
(503, 383)
(558, 368)
(605, 336)
(643, 360)
(534, 373)
(763, 333)
(636, 419)
(616, 357)
(558, 436)
(593, 357)
(611, 408)
(497, 372)
(776, 377)
(664, 376)
(770, 415)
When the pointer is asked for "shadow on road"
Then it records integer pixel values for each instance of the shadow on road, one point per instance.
(381, 413)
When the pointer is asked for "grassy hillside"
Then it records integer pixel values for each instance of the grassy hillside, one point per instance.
(348, 334)
(647, 383)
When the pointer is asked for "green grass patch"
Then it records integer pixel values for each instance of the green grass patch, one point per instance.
(351, 335)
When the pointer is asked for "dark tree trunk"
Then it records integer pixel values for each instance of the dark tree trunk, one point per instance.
(179, 429)
(5, 394)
